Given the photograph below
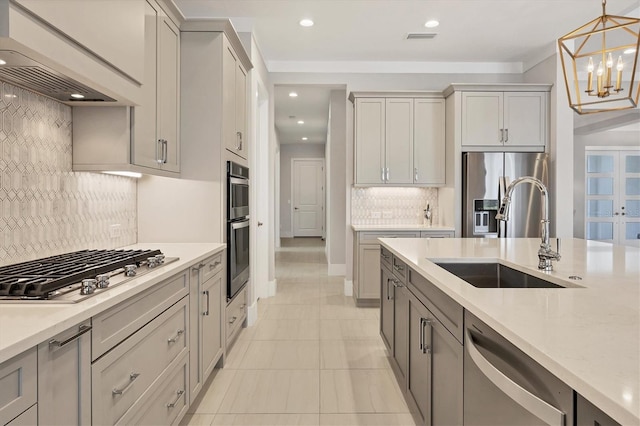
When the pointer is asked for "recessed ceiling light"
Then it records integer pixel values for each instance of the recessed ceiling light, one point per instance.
(306, 23)
(305, 138)
(293, 95)
(300, 122)
(432, 23)
(3, 62)
(629, 51)
(77, 96)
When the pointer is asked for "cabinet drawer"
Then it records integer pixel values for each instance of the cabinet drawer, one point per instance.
(28, 418)
(123, 375)
(166, 404)
(447, 310)
(400, 269)
(436, 234)
(116, 324)
(235, 314)
(212, 266)
(18, 385)
(373, 236)
(386, 258)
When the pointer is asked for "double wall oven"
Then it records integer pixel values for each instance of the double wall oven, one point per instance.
(237, 228)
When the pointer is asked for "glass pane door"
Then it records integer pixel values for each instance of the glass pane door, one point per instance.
(600, 202)
(629, 233)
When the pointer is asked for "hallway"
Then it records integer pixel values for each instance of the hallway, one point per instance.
(312, 358)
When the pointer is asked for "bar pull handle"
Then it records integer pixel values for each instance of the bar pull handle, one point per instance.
(382, 174)
(232, 320)
(159, 151)
(387, 178)
(415, 174)
(132, 378)
(398, 268)
(206, 313)
(214, 264)
(81, 330)
(501, 135)
(506, 138)
(426, 349)
(178, 396)
(176, 337)
(536, 406)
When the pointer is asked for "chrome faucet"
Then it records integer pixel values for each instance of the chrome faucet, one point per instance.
(545, 254)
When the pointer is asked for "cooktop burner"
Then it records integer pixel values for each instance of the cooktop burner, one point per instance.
(86, 270)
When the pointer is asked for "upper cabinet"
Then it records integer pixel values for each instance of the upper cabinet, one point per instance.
(503, 118)
(144, 138)
(399, 138)
(234, 111)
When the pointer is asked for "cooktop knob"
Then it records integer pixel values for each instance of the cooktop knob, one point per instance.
(160, 258)
(102, 280)
(88, 286)
(152, 262)
(130, 270)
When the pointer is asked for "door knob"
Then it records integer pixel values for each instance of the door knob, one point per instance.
(295, 208)
(260, 223)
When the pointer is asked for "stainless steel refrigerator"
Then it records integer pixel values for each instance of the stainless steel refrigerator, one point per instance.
(486, 176)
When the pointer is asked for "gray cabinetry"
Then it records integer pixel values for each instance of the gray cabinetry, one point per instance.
(18, 385)
(236, 313)
(206, 313)
(64, 377)
(28, 418)
(386, 308)
(401, 333)
(588, 414)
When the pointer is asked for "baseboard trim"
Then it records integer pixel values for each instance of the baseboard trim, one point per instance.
(286, 234)
(348, 287)
(337, 269)
(252, 313)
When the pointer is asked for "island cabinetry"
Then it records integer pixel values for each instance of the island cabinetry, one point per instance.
(437, 234)
(435, 376)
(28, 418)
(399, 138)
(367, 255)
(64, 377)
(588, 414)
(206, 311)
(143, 138)
(18, 386)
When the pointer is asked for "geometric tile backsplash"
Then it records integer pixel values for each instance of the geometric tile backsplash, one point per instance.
(45, 207)
(392, 206)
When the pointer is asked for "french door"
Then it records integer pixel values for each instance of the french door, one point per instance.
(612, 202)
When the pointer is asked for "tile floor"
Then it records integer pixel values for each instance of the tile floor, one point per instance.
(312, 358)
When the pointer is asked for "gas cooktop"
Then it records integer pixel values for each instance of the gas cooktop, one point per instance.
(72, 277)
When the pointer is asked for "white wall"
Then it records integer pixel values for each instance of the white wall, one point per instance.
(287, 152)
(336, 167)
(611, 138)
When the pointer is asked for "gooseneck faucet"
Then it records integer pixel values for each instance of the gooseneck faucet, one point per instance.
(545, 254)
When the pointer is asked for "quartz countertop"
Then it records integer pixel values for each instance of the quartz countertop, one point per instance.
(587, 336)
(24, 325)
(364, 228)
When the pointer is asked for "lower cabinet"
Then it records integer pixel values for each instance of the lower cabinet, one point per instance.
(236, 313)
(435, 378)
(28, 418)
(386, 309)
(401, 333)
(18, 385)
(64, 377)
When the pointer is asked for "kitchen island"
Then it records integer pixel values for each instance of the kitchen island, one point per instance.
(587, 334)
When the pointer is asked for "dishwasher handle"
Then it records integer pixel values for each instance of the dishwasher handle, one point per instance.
(536, 406)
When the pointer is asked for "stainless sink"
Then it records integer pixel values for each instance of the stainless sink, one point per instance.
(495, 275)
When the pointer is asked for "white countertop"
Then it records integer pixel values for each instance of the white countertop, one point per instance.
(364, 228)
(588, 337)
(24, 325)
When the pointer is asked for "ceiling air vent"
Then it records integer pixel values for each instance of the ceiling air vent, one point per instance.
(418, 36)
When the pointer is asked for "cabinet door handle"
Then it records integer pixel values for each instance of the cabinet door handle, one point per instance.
(206, 313)
(132, 378)
(506, 132)
(159, 149)
(232, 320)
(382, 174)
(415, 174)
(426, 349)
(501, 135)
(387, 179)
(81, 330)
(178, 396)
(239, 139)
(197, 268)
(177, 336)
(397, 284)
(165, 155)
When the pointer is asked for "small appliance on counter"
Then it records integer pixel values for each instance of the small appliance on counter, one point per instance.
(486, 176)
(237, 228)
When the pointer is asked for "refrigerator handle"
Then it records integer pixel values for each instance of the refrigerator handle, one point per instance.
(502, 187)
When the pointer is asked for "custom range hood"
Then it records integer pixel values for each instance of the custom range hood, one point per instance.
(45, 47)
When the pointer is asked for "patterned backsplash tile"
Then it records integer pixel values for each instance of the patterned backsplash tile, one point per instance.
(392, 206)
(45, 207)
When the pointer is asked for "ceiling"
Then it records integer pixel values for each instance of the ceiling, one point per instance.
(356, 35)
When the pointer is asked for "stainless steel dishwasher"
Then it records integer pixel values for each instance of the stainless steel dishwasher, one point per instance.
(504, 386)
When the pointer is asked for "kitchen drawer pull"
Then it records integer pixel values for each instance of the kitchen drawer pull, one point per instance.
(385, 257)
(178, 396)
(214, 264)
(232, 320)
(175, 339)
(81, 330)
(536, 406)
(197, 268)
(397, 284)
(132, 378)
(206, 313)
(398, 268)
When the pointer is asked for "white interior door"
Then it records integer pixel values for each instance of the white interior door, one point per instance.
(308, 197)
(629, 229)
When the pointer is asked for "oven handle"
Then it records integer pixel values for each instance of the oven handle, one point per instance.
(238, 181)
(240, 224)
(536, 406)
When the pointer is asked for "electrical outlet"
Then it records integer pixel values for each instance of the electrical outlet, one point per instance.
(387, 214)
(376, 215)
(114, 230)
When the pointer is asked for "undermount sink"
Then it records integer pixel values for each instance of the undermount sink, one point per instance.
(495, 275)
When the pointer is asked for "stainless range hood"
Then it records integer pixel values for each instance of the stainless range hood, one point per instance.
(22, 71)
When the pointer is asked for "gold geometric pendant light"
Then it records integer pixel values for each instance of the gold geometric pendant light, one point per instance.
(600, 64)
